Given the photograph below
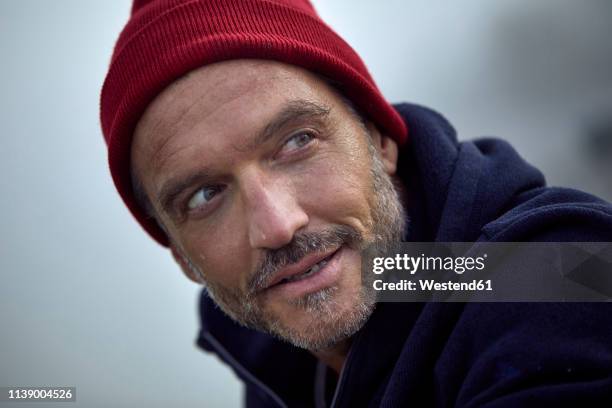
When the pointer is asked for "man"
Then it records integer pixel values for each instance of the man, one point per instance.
(250, 139)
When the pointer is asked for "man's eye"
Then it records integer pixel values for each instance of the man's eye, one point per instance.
(298, 141)
(203, 197)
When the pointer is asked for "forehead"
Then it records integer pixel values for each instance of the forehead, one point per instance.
(219, 98)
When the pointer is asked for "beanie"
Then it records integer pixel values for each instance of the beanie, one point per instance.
(165, 39)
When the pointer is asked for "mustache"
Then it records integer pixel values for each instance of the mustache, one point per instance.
(301, 245)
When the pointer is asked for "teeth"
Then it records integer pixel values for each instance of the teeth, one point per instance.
(316, 267)
(313, 269)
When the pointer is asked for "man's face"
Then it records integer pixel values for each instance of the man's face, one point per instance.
(269, 188)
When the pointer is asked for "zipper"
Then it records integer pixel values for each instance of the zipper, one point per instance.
(240, 368)
(343, 374)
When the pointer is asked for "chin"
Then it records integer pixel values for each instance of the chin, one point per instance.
(322, 319)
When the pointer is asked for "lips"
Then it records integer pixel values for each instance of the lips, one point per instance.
(303, 269)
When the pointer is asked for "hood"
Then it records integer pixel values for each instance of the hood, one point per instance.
(455, 189)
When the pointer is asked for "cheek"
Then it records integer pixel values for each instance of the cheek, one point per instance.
(338, 190)
(220, 256)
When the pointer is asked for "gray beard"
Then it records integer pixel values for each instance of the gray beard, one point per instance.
(329, 324)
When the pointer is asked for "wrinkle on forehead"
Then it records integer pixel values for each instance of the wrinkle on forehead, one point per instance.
(168, 114)
(169, 111)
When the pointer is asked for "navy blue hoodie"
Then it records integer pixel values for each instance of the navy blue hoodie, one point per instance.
(452, 354)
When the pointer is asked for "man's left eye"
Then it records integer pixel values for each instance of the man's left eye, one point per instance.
(298, 140)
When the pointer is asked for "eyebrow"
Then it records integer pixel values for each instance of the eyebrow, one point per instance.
(295, 110)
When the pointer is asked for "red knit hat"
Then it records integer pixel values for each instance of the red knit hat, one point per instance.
(165, 39)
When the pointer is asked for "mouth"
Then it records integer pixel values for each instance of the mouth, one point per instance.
(309, 272)
(312, 273)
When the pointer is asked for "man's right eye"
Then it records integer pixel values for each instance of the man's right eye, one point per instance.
(202, 197)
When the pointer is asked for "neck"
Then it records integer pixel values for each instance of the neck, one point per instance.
(334, 356)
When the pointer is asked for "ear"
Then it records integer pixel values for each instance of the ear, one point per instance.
(184, 263)
(386, 146)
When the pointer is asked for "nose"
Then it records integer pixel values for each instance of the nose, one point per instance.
(273, 211)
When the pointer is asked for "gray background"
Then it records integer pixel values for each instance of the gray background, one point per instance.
(88, 300)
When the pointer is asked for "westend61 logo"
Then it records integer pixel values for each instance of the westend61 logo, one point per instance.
(414, 264)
